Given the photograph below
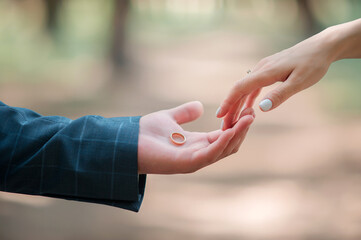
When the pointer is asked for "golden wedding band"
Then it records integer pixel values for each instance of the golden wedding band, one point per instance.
(178, 138)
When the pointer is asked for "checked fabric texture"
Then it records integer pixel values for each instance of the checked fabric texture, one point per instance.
(91, 159)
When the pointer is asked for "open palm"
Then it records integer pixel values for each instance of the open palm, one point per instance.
(157, 154)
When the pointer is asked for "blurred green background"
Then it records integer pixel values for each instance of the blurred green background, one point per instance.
(298, 174)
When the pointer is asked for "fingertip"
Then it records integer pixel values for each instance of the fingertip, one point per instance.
(199, 106)
(224, 108)
(186, 112)
(218, 111)
(249, 119)
(244, 122)
(253, 114)
(226, 123)
(247, 111)
(221, 112)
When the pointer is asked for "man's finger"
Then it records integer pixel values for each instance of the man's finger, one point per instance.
(243, 134)
(247, 111)
(213, 136)
(232, 114)
(208, 155)
(241, 129)
(187, 112)
(240, 141)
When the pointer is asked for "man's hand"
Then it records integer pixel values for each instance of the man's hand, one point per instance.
(157, 154)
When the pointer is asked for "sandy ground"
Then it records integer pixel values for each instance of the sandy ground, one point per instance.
(297, 175)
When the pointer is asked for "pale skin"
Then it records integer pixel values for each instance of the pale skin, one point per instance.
(158, 155)
(298, 68)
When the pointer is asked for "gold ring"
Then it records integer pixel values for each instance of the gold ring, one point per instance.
(178, 138)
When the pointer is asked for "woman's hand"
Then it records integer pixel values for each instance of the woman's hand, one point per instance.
(157, 154)
(298, 67)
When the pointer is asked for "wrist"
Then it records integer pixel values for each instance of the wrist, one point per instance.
(334, 42)
(345, 40)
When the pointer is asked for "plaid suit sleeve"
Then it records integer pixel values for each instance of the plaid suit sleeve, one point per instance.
(91, 159)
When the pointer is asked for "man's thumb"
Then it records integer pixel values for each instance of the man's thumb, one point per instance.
(187, 112)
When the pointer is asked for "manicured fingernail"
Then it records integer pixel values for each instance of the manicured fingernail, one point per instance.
(265, 104)
(218, 111)
(222, 124)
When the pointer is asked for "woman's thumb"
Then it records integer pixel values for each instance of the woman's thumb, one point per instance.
(277, 96)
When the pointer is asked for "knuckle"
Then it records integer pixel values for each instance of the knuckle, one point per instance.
(268, 74)
(265, 76)
(277, 97)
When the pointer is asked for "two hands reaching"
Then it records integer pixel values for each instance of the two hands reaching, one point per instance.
(298, 68)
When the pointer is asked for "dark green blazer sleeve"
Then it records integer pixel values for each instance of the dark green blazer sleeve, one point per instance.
(91, 159)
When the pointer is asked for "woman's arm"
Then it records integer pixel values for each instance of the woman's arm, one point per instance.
(348, 44)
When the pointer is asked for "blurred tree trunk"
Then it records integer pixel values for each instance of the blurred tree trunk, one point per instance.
(308, 19)
(117, 54)
(52, 8)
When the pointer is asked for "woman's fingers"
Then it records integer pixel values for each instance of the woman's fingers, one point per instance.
(233, 115)
(242, 88)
